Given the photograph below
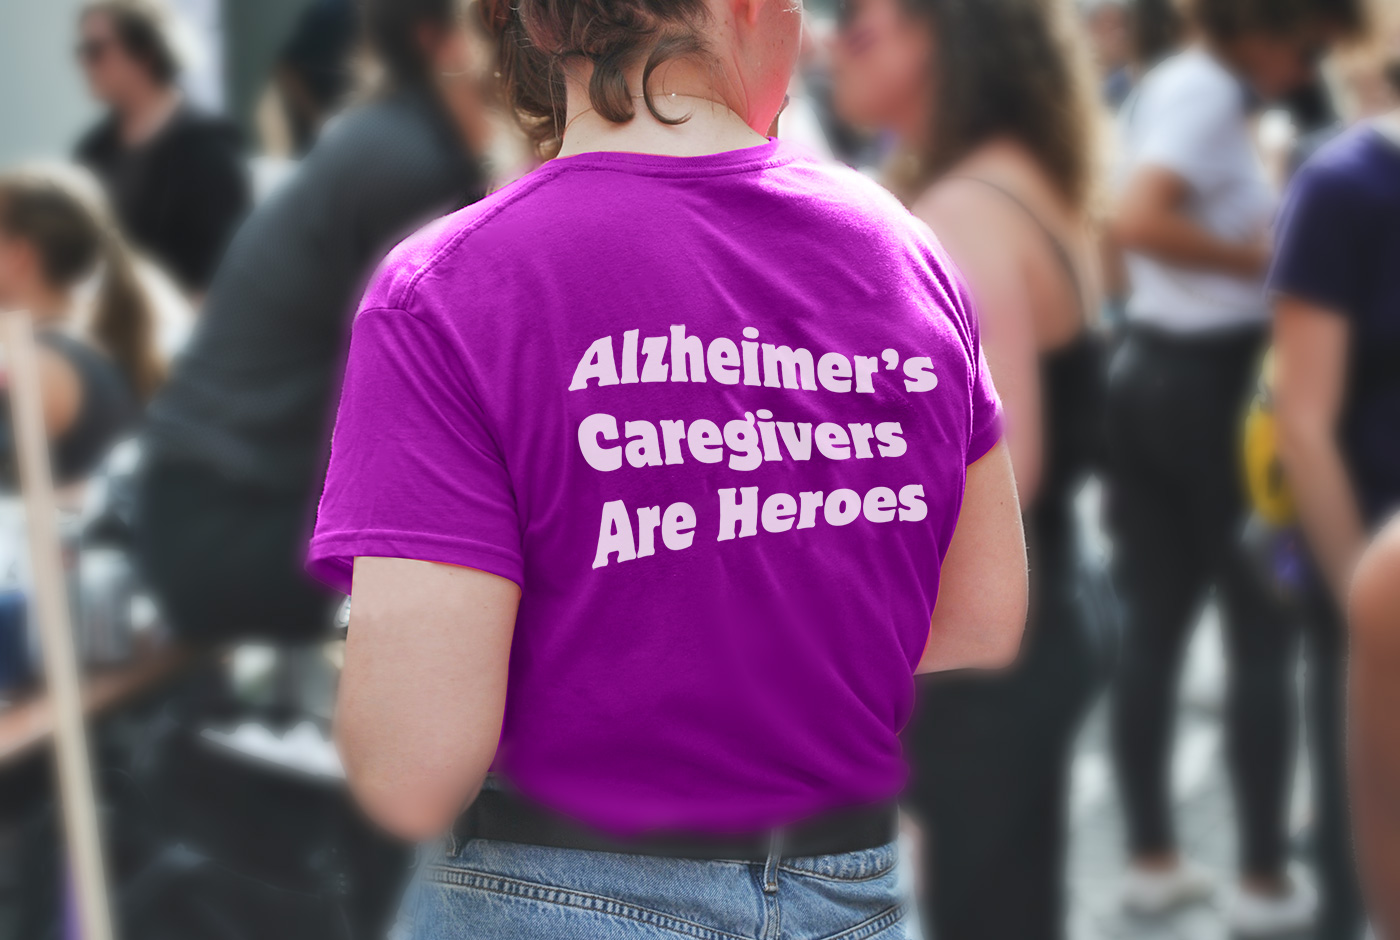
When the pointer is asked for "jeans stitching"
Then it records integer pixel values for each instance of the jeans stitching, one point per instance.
(567, 897)
(874, 925)
(840, 879)
(878, 872)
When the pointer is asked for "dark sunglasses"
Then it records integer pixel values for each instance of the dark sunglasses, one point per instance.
(91, 51)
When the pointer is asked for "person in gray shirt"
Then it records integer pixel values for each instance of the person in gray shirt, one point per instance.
(235, 443)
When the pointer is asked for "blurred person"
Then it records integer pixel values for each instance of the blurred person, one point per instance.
(174, 173)
(1335, 285)
(1157, 30)
(694, 729)
(994, 107)
(235, 444)
(1362, 82)
(1193, 216)
(1109, 27)
(313, 72)
(97, 367)
(1374, 724)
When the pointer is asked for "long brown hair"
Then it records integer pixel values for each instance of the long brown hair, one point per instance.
(74, 237)
(1010, 68)
(536, 39)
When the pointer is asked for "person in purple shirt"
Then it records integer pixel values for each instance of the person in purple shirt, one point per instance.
(1335, 285)
(656, 477)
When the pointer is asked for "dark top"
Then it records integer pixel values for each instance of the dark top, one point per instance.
(107, 410)
(252, 394)
(1072, 379)
(1339, 248)
(180, 195)
(1072, 398)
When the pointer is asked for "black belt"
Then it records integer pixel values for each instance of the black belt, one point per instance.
(505, 816)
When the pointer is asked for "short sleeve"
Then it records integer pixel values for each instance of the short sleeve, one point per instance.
(1184, 124)
(415, 471)
(986, 410)
(986, 426)
(1320, 242)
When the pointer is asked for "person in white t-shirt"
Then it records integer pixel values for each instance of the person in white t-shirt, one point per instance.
(1193, 216)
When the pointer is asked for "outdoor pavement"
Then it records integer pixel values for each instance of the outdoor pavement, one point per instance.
(1205, 815)
(1204, 804)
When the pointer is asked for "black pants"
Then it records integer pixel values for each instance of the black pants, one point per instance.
(1176, 510)
(224, 560)
(989, 757)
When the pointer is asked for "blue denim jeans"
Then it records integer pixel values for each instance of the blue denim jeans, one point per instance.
(488, 889)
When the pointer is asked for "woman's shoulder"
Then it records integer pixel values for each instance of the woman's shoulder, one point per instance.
(1000, 185)
(444, 241)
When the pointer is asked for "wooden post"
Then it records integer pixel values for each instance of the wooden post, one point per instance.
(50, 605)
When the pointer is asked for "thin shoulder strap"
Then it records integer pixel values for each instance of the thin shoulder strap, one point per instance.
(1062, 254)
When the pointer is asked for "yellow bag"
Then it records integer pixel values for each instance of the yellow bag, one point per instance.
(1265, 482)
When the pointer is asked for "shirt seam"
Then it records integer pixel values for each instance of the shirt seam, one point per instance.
(369, 534)
(549, 172)
(664, 170)
(469, 384)
(411, 288)
(349, 538)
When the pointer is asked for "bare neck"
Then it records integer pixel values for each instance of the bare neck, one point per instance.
(711, 124)
(1389, 125)
(146, 112)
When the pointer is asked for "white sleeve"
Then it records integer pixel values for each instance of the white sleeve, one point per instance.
(1185, 124)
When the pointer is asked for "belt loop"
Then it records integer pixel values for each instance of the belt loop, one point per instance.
(770, 867)
(454, 844)
(463, 831)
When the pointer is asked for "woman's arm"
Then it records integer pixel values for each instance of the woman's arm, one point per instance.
(1374, 722)
(981, 609)
(1150, 221)
(1310, 356)
(424, 688)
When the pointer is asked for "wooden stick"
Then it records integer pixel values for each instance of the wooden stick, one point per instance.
(76, 790)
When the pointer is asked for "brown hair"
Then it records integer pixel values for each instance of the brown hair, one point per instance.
(142, 30)
(391, 29)
(538, 38)
(1224, 20)
(1157, 30)
(73, 237)
(1010, 68)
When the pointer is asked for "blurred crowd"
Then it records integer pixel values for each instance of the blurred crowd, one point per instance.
(1181, 226)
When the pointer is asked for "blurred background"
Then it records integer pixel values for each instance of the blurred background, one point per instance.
(192, 195)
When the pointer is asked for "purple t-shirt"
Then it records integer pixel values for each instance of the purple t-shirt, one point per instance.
(713, 415)
(1339, 247)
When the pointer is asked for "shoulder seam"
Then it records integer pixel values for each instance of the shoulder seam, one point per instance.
(405, 296)
(661, 172)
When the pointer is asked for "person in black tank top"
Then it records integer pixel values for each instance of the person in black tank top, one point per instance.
(96, 366)
(989, 752)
